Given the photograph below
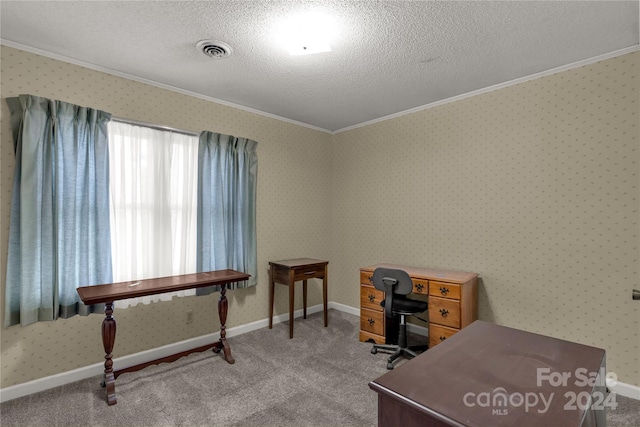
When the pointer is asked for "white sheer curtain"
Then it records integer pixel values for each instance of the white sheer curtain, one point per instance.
(153, 183)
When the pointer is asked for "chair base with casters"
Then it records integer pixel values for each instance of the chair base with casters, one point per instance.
(402, 348)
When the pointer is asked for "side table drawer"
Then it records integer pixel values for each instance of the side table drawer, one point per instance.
(438, 333)
(309, 272)
(443, 311)
(371, 298)
(372, 321)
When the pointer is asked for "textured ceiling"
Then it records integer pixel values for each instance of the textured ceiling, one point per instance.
(387, 56)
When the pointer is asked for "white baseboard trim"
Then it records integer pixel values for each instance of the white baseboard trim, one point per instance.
(95, 370)
(345, 308)
(623, 389)
(417, 329)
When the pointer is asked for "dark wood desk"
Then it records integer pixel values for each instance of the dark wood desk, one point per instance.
(487, 375)
(289, 271)
(108, 293)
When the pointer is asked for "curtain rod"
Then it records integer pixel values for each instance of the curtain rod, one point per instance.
(153, 126)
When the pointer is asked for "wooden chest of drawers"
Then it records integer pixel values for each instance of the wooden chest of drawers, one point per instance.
(452, 297)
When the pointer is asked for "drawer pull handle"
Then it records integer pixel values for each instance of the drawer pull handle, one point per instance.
(310, 272)
(419, 287)
(444, 291)
(371, 279)
(372, 297)
(444, 312)
(371, 321)
(442, 338)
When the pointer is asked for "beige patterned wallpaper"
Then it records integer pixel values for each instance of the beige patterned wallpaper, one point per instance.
(534, 186)
(293, 215)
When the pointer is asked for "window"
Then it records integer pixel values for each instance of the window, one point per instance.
(153, 197)
(156, 202)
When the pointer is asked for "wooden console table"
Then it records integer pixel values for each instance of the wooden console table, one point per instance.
(491, 375)
(108, 293)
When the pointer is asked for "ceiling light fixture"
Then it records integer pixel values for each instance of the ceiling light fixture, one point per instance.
(307, 33)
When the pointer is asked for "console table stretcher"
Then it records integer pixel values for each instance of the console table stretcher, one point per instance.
(109, 293)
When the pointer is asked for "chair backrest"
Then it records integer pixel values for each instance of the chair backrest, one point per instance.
(391, 281)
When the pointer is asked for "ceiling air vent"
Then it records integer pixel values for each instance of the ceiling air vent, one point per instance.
(214, 49)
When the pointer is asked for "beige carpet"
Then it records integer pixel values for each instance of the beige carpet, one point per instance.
(319, 378)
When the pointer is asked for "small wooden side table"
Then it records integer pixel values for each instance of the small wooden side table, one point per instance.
(287, 272)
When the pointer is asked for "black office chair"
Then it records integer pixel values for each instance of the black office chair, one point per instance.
(396, 285)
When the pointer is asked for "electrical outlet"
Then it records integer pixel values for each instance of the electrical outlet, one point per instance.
(190, 316)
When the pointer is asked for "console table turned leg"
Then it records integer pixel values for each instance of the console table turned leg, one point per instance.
(108, 339)
(223, 306)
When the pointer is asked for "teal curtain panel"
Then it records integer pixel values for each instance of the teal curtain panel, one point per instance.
(59, 236)
(227, 181)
